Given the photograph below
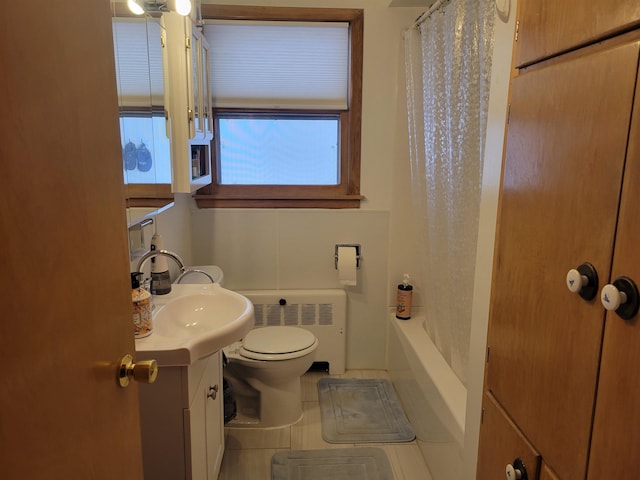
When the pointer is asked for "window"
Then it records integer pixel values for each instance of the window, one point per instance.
(274, 149)
(287, 99)
(146, 151)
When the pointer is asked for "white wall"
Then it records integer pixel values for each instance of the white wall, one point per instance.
(292, 248)
(174, 224)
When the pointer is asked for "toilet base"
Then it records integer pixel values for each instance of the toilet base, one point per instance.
(266, 406)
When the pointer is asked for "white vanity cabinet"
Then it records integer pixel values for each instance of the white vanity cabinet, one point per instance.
(189, 103)
(181, 417)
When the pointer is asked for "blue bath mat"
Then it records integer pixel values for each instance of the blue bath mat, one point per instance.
(361, 410)
(336, 464)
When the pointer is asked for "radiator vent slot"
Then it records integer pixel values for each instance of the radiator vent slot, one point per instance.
(273, 315)
(290, 315)
(325, 314)
(308, 314)
(259, 314)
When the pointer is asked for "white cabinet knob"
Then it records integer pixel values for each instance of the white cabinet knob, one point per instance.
(583, 280)
(622, 297)
(575, 280)
(517, 470)
(513, 473)
(612, 298)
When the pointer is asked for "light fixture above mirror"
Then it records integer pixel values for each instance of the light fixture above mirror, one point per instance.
(138, 7)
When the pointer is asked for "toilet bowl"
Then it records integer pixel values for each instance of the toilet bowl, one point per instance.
(264, 370)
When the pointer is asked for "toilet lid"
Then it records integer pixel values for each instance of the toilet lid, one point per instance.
(278, 340)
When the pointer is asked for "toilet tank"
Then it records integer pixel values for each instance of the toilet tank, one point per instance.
(323, 312)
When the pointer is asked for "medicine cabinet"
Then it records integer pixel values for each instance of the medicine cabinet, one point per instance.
(189, 103)
(141, 86)
(162, 68)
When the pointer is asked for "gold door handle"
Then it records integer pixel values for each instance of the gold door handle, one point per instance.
(145, 371)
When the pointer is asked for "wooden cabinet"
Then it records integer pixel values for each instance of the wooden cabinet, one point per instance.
(200, 95)
(570, 190)
(206, 425)
(548, 27)
(182, 422)
(547, 474)
(140, 75)
(189, 103)
(616, 431)
(498, 429)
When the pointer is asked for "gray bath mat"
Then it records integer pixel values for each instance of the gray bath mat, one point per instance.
(335, 464)
(361, 411)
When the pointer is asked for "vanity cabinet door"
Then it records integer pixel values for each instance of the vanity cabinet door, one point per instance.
(182, 422)
(549, 27)
(566, 148)
(204, 419)
(214, 416)
(196, 435)
(162, 407)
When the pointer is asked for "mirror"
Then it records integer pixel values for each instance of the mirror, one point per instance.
(146, 149)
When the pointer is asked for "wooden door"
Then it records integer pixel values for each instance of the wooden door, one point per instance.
(616, 434)
(549, 27)
(65, 308)
(567, 138)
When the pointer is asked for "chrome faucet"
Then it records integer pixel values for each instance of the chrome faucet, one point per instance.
(165, 253)
(176, 258)
(194, 270)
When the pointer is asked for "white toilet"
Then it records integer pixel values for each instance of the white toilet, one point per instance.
(264, 370)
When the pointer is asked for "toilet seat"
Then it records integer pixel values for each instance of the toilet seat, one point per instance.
(277, 343)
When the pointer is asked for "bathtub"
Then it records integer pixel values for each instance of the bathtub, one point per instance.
(431, 394)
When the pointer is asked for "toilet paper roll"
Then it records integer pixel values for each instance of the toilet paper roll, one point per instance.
(347, 266)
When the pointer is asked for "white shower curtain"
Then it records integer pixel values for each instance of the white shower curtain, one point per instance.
(448, 65)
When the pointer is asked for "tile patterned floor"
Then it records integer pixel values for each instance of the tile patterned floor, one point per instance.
(248, 452)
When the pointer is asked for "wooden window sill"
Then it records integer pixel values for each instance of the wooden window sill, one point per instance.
(148, 195)
(278, 201)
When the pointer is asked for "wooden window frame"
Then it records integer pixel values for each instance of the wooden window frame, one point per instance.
(347, 193)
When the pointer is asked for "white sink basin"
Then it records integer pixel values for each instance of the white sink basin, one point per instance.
(193, 322)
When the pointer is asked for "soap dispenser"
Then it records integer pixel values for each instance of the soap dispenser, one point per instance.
(160, 277)
(405, 294)
(141, 301)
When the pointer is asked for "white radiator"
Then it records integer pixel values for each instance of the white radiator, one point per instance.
(322, 312)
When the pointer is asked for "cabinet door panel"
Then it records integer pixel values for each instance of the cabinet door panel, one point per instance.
(501, 442)
(616, 436)
(566, 147)
(547, 27)
(214, 417)
(547, 474)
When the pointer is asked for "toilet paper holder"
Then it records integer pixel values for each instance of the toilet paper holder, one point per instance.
(358, 255)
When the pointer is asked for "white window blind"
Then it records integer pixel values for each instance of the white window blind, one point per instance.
(138, 56)
(300, 65)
